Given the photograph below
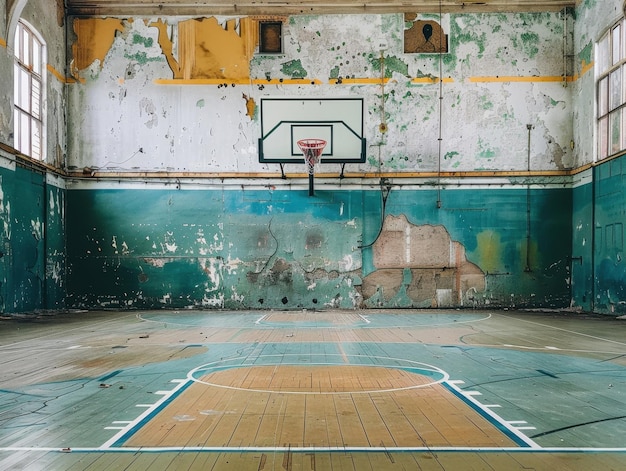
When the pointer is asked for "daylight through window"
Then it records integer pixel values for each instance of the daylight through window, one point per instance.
(28, 92)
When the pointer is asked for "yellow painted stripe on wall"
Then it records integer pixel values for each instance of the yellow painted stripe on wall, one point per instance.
(431, 80)
(362, 81)
(351, 81)
(510, 78)
(3, 43)
(60, 77)
(238, 81)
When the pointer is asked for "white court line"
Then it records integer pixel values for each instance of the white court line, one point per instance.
(473, 393)
(300, 449)
(565, 330)
(150, 409)
(495, 417)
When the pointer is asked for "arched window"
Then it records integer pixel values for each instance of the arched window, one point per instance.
(29, 89)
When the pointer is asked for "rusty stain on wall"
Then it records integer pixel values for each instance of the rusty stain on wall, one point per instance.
(208, 50)
(422, 265)
(250, 106)
(94, 38)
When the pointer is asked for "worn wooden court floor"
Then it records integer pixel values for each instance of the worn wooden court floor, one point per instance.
(329, 390)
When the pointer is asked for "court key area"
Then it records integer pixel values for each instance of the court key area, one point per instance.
(313, 390)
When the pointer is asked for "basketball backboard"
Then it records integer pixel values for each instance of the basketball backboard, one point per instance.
(285, 121)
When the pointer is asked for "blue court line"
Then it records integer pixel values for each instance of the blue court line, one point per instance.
(517, 437)
(111, 375)
(136, 427)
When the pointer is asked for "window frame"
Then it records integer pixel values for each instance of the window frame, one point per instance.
(265, 27)
(29, 92)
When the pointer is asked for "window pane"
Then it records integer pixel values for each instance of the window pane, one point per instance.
(36, 139)
(36, 57)
(603, 97)
(623, 128)
(603, 141)
(16, 83)
(25, 47)
(16, 127)
(24, 134)
(615, 89)
(616, 44)
(615, 125)
(24, 92)
(36, 98)
(18, 42)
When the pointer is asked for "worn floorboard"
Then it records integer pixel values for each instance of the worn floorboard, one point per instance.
(333, 390)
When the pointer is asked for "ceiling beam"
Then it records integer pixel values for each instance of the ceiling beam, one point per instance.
(301, 7)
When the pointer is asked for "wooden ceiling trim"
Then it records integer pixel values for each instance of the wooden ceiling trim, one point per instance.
(308, 7)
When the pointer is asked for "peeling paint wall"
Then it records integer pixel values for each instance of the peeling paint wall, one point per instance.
(206, 248)
(32, 240)
(168, 101)
(504, 247)
(597, 261)
(32, 200)
(47, 18)
(199, 247)
(157, 95)
(503, 71)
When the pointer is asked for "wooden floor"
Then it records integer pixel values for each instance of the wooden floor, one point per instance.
(332, 390)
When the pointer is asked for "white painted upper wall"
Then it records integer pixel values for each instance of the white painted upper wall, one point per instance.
(499, 79)
(501, 76)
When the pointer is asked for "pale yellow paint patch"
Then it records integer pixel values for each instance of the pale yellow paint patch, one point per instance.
(208, 50)
(489, 251)
(94, 38)
(509, 78)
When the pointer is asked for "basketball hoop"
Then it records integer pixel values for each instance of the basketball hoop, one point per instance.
(312, 150)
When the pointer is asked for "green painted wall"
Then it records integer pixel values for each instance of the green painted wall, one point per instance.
(177, 248)
(582, 242)
(495, 226)
(598, 265)
(608, 264)
(213, 249)
(32, 229)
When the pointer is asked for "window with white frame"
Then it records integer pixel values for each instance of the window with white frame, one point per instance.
(28, 92)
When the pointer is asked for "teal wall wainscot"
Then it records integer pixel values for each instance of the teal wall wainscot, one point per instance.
(32, 240)
(275, 248)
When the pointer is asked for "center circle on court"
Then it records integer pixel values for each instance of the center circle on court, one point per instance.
(312, 377)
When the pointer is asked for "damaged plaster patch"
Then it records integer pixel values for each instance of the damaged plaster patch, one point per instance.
(94, 38)
(420, 266)
(207, 49)
(146, 106)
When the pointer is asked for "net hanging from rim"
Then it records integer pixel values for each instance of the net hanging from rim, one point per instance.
(312, 150)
